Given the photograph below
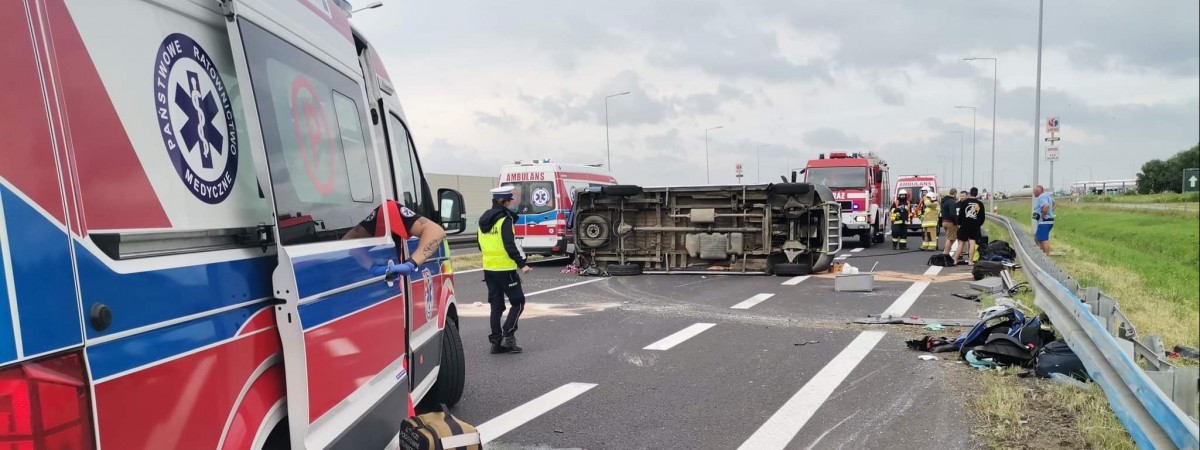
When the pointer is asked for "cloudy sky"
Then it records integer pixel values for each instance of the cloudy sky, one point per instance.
(488, 82)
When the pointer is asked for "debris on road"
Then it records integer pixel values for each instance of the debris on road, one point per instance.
(934, 326)
(928, 358)
(806, 343)
(872, 320)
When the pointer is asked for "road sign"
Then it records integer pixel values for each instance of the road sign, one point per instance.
(1052, 125)
(739, 170)
(1191, 180)
(1052, 153)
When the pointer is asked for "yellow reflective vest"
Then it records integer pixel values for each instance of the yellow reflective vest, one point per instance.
(930, 213)
(491, 243)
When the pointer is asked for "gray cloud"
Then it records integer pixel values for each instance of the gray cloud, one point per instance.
(889, 96)
(831, 139)
(504, 120)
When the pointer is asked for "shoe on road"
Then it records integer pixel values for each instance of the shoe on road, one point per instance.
(510, 344)
(497, 349)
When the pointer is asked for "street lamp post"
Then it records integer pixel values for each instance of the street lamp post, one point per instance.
(995, 63)
(707, 170)
(972, 108)
(370, 6)
(607, 148)
(1037, 109)
(961, 159)
(758, 162)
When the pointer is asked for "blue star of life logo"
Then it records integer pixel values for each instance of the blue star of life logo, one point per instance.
(428, 277)
(195, 118)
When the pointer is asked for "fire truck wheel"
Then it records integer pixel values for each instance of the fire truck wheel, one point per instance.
(622, 190)
(623, 270)
(792, 269)
(866, 238)
(448, 388)
(791, 188)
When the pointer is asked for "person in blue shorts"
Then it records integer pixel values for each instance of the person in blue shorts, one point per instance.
(1043, 213)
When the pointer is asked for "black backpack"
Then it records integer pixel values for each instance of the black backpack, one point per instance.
(1001, 248)
(1005, 350)
(940, 259)
(1057, 357)
(984, 269)
(1007, 321)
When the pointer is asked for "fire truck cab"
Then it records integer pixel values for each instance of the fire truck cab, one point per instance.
(178, 186)
(859, 182)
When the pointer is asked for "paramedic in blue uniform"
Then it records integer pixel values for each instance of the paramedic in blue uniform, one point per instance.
(502, 259)
(405, 223)
(1043, 213)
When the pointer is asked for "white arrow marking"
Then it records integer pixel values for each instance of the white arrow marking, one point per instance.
(1193, 180)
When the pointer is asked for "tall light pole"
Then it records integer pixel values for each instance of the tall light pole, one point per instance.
(707, 170)
(1037, 110)
(607, 148)
(961, 159)
(370, 6)
(992, 190)
(972, 108)
(758, 162)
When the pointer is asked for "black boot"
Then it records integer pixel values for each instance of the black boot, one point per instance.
(498, 348)
(895, 245)
(510, 344)
(903, 246)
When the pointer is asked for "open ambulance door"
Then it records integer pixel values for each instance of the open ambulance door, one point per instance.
(341, 320)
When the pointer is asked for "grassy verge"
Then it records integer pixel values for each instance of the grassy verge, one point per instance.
(1152, 198)
(1038, 413)
(1146, 260)
(475, 261)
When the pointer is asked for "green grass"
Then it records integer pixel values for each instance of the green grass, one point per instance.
(1151, 198)
(1146, 260)
(1037, 413)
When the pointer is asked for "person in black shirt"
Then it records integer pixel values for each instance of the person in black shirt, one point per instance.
(970, 224)
(405, 223)
(949, 219)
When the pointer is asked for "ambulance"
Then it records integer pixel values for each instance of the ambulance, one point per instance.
(912, 185)
(543, 194)
(177, 182)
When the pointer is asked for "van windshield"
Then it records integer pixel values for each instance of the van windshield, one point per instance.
(838, 177)
(532, 197)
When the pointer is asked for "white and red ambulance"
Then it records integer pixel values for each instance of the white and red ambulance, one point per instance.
(177, 181)
(912, 185)
(544, 193)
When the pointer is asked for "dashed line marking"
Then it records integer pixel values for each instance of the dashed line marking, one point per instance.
(795, 281)
(679, 336)
(910, 295)
(858, 250)
(782, 427)
(581, 283)
(750, 302)
(518, 416)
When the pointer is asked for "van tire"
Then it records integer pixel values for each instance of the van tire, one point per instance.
(791, 188)
(448, 388)
(792, 269)
(623, 270)
(622, 190)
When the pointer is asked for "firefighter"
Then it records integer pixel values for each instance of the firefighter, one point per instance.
(902, 211)
(501, 261)
(929, 219)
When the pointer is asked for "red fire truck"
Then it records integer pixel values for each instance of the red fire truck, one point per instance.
(859, 182)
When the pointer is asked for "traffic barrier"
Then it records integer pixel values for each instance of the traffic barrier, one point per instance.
(1154, 403)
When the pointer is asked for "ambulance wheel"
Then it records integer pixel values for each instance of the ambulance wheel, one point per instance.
(623, 270)
(791, 188)
(622, 190)
(448, 388)
(792, 269)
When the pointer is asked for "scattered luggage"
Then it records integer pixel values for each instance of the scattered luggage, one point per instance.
(984, 269)
(1005, 321)
(1005, 350)
(1057, 357)
(941, 259)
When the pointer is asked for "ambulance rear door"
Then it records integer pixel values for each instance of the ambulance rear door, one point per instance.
(341, 320)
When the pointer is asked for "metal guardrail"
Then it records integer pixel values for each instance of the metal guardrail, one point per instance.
(1147, 402)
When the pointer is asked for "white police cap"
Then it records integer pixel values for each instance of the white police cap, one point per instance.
(502, 192)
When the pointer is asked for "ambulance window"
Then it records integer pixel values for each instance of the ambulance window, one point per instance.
(322, 175)
(358, 170)
(409, 179)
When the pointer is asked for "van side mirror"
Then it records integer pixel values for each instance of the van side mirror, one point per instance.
(452, 208)
(878, 175)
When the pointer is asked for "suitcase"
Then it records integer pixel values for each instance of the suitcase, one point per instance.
(984, 269)
(438, 431)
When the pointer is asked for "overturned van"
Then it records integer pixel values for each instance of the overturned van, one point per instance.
(783, 229)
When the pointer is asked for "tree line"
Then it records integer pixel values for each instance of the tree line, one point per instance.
(1167, 176)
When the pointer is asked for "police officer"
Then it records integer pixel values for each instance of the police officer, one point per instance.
(501, 260)
(902, 210)
(929, 219)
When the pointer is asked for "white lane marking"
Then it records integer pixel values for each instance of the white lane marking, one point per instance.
(581, 283)
(456, 272)
(906, 300)
(680, 336)
(857, 250)
(781, 428)
(795, 281)
(750, 302)
(841, 257)
(492, 429)
(933, 270)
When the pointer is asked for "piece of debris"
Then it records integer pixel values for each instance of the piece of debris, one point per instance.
(477, 304)
(961, 323)
(558, 431)
(928, 358)
(934, 327)
(1187, 352)
(806, 343)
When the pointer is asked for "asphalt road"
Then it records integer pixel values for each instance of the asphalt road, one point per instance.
(658, 361)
